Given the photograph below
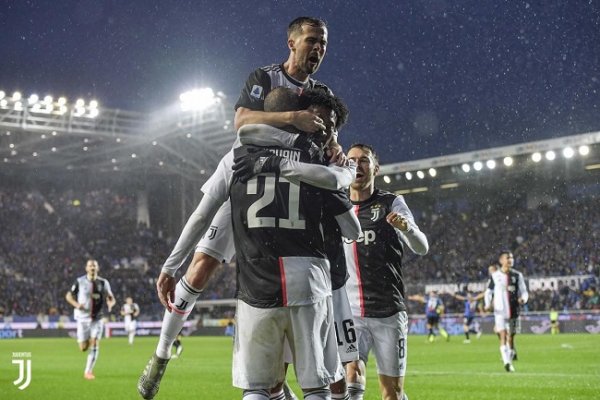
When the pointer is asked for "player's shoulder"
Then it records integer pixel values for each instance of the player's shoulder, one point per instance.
(516, 272)
(389, 197)
(102, 280)
(270, 68)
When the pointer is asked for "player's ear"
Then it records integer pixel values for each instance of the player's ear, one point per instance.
(376, 170)
(291, 42)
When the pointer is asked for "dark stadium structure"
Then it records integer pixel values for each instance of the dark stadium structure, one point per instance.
(168, 153)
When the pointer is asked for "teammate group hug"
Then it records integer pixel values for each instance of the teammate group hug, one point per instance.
(318, 247)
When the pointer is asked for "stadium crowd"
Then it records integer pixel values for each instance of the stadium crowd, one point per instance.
(47, 237)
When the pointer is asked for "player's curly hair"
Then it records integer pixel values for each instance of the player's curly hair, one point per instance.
(319, 97)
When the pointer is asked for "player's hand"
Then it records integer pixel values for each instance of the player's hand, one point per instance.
(165, 287)
(255, 162)
(307, 121)
(336, 155)
(521, 301)
(397, 221)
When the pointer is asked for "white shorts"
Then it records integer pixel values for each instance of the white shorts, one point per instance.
(511, 325)
(131, 325)
(217, 242)
(387, 337)
(258, 361)
(344, 326)
(89, 330)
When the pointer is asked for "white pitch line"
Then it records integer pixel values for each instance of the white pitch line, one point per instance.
(504, 373)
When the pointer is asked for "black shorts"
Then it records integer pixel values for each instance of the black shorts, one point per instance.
(433, 319)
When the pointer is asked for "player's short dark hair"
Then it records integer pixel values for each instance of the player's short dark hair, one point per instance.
(319, 97)
(367, 147)
(282, 99)
(504, 251)
(295, 27)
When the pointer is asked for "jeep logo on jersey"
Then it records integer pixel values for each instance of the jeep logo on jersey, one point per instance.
(257, 92)
(365, 237)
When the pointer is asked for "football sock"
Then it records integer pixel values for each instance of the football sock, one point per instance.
(356, 391)
(443, 333)
(505, 353)
(131, 336)
(256, 394)
(467, 334)
(91, 358)
(185, 300)
(317, 394)
(288, 392)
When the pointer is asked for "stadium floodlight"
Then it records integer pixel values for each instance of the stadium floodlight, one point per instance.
(16, 96)
(3, 103)
(53, 149)
(550, 155)
(80, 103)
(568, 152)
(432, 172)
(408, 176)
(466, 167)
(94, 113)
(2, 94)
(387, 179)
(508, 161)
(62, 101)
(477, 165)
(536, 157)
(420, 174)
(197, 99)
(34, 98)
(18, 106)
(584, 150)
(491, 164)
(48, 99)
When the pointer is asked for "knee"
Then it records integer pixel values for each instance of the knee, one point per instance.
(355, 372)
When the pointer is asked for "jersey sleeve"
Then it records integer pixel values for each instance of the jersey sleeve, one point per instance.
(336, 202)
(254, 91)
(107, 289)
(523, 293)
(74, 288)
(413, 237)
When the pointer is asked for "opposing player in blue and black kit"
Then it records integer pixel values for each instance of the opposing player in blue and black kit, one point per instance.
(472, 305)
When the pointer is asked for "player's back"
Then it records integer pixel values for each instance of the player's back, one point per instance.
(280, 255)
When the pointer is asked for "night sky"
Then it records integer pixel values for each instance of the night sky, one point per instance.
(421, 78)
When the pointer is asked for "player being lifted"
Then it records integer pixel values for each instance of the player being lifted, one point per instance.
(87, 296)
(130, 311)
(215, 193)
(508, 291)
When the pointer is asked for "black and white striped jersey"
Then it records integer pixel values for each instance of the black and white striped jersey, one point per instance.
(281, 260)
(376, 287)
(92, 294)
(262, 80)
(505, 289)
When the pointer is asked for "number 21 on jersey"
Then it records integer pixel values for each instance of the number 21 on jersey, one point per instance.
(292, 221)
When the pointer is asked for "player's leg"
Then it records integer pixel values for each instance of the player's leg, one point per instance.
(96, 329)
(283, 391)
(466, 329)
(514, 327)
(132, 328)
(346, 339)
(259, 363)
(83, 335)
(390, 348)
(356, 371)
(501, 326)
(441, 329)
(215, 246)
(431, 332)
(314, 345)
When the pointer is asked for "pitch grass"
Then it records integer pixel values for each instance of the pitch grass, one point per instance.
(558, 367)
